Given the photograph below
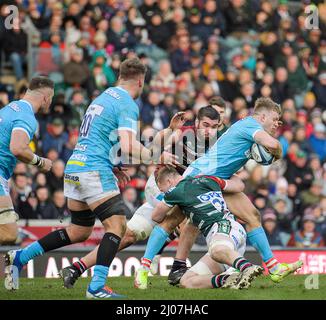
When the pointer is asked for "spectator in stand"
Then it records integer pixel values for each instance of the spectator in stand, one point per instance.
(71, 143)
(164, 80)
(56, 137)
(78, 105)
(318, 141)
(316, 167)
(45, 207)
(320, 216)
(22, 187)
(297, 78)
(119, 36)
(283, 209)
(129, 196)
(55, 176)
(270, 226)
(239, 18)
(39, 180)
(313, 195)
(15, 47)
(301, 139)
(153, 112)
(298, 173)
(27, 209)
(76, 72)
(159, 31)
(60, 204)
(307, 237)
(280, 87)
(180, 58)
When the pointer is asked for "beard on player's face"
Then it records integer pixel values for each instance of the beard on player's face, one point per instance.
(206, 128)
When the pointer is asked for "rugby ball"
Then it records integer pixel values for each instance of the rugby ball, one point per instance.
(261, 155)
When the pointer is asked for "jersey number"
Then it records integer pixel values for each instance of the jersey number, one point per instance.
(92, 111)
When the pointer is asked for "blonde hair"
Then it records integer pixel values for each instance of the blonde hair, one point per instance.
(267, 104)
(164, 172)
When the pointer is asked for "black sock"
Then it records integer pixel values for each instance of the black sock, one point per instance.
(108, 249)
(55, 240)
(178, 264)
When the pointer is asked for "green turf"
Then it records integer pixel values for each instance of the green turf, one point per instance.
(51, 289)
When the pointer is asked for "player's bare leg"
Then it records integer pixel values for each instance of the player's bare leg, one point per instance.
(170, 222)
(111, 212)
(59, 238)
(8, 218)
(200, 275)
(221, 249)
(188, 236)
(241, 206)
(71, 273)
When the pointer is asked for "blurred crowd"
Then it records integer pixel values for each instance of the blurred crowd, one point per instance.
(194, 50)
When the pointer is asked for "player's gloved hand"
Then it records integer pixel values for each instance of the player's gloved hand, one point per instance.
(45, 165)
(178, 120)
(168, 158)
(122, 175)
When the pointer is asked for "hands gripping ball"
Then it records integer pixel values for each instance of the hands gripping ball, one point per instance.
(261, 155)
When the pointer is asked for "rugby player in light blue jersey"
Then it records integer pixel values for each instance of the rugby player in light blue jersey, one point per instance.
(223, 160)
(90, 182)
(17, 128)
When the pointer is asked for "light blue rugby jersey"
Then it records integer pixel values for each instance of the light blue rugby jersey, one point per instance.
(16, 115)
(230, 152)
(97, 146)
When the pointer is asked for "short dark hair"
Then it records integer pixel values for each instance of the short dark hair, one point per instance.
(131, 68)
(208, 112)
(40, 83)
(217, 101)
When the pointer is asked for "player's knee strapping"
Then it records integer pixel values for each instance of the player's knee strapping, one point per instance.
(85, 218)
(111, 207)
(140, 226)
(8, 215)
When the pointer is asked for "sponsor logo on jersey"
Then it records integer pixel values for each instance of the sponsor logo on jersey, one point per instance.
(112, 93)
(72, 178)
(14, 106)
(215, 198)
(248, 154)
(81, 147)
(79, 157)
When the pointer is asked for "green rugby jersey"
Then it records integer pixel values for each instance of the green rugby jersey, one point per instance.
(201, 200)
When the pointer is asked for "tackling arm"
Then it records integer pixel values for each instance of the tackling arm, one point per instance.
(160, 212)
(130, 145)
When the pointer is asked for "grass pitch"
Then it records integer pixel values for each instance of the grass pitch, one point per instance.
(292, 288)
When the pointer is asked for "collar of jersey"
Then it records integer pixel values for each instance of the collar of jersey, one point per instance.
(122, 89)
(23, 100)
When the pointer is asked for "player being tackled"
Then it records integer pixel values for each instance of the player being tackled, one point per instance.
(201, 201)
